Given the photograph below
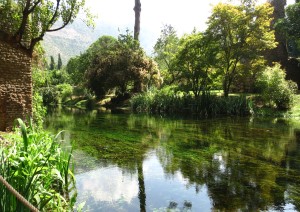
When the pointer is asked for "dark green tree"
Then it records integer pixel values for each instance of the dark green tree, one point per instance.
(278, 54)
(289, 26)
(194, 62)
(59, 62)
(119, 65)
(52, 63)
(78, 66)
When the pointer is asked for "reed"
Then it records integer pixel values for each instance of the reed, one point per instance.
(171, 102)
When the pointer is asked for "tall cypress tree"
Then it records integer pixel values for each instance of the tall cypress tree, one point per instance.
(52, 63)
(59, 62)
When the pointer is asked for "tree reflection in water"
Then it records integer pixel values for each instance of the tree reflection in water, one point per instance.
(245, 164)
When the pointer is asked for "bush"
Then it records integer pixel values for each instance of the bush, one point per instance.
(38, 110)
(50, 95)
(275, 90)
(65, 91)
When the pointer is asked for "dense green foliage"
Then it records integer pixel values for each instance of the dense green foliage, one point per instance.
(37, 167)
(290, 27)
(52, 63)
(276, 91)
(123, 66)
(194, 63)
(242, 33)
(165, 50)
(52, 85)
(168, 101)
(25, 22)
(114, 65)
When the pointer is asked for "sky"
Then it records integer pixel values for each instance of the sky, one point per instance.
(184, 16)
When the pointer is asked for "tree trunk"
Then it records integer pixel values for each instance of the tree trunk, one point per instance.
(137, 10)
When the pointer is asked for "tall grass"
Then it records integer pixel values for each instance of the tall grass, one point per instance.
(37, 167)
(168, 101)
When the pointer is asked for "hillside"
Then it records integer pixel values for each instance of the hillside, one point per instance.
(77, 37)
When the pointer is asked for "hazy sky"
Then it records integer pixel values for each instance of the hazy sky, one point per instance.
(182, 15)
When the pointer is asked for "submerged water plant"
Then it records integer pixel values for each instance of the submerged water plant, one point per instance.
(38, 168)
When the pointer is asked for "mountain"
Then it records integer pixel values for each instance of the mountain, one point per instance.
(77, 37)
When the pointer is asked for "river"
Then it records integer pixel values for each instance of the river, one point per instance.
(128, 162)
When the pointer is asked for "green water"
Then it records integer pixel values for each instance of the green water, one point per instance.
(126, 162)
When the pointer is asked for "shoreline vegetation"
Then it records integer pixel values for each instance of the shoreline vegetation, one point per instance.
(39, 168)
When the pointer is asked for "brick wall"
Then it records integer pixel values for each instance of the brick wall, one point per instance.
(15, 85)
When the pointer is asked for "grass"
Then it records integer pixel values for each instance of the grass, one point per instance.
(37, 167)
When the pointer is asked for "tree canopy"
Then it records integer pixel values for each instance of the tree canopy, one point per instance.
(112, 64)
(289, 27)
(241, 33)
(164, 52)
(194, 62)
(25, 22)
(291, 23)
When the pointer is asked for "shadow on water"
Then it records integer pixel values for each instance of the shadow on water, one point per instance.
(130, 162)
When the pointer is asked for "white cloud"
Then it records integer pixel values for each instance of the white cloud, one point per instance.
(107, 184)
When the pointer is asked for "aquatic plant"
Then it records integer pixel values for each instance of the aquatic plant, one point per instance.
(36, 166)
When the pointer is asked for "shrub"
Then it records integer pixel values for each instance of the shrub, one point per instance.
(39, 111)
(50, 95)
(275, 90)
(65, 91)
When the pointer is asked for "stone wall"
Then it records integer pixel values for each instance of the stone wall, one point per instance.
(15, 85)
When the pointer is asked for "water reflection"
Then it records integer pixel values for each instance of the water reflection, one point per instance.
(141, 163)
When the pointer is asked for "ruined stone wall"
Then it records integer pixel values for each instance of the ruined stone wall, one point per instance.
(15, 85)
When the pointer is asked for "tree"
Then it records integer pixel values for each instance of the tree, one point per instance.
(164, 52)
(59, 62)
(289, 26)
(137, 10)
(25, 22)
(52, 63)
(241, 33)
(194, 63)
(77, 66)
(278, 54)
(119, 65)
(291, 23)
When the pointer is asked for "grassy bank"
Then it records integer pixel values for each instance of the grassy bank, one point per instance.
(35, 164)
